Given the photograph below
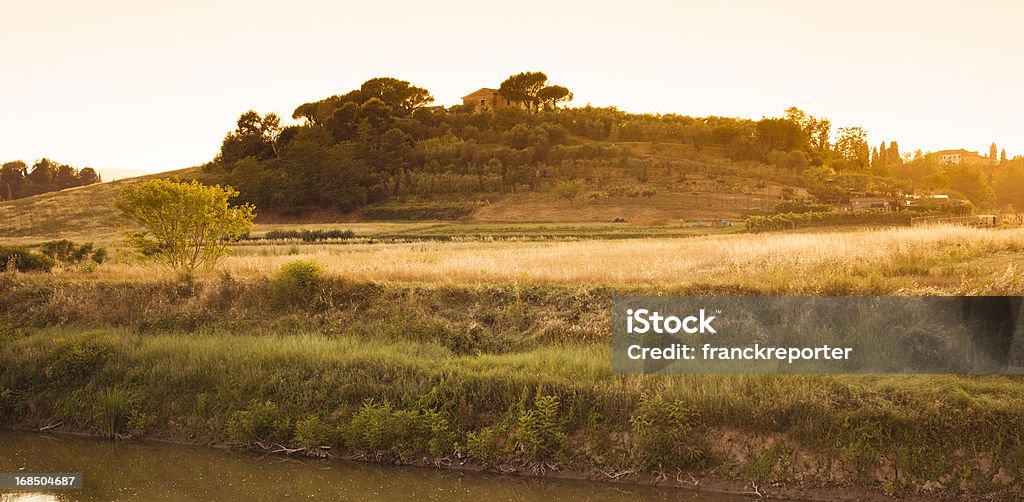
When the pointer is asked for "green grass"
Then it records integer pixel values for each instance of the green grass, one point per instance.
(510, 373)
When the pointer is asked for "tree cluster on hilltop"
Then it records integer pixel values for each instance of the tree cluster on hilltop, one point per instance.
(383, 141)
(17, 180)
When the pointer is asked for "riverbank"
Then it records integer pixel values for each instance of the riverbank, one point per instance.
(700, 487)
(201, 473)
(500, 374)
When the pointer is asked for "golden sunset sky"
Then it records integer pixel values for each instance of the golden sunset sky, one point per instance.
(155, 85)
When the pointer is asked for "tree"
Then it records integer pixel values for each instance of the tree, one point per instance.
(344, 122)
(12, 175)
(893, 157)
(852, 146)
(971, 181)
(993, 153)
(398, 94)
(377, 113)
(254, 136)
(186, 225)
(1002, 157)
(551, 95)
(816, 129)
(780, 134)
(523, 87)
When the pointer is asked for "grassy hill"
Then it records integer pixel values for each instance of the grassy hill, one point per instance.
(665, 202)
(82, 213)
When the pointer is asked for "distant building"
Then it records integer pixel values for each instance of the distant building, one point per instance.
(960, 156)
(870, 204)
(937, 201)
(487, 100)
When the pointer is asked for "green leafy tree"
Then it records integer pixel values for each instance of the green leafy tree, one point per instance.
(523, 87)
(254, 136)
(852, 146)
(971, 181)
(186, 225)
(551, 95)
(817, 129)
(780, 134)
(397, 94)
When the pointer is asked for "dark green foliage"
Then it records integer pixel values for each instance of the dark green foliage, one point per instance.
(540, 433)
(17, 181)
(260, 421)
(377, 146)
(380, 428)
(23, 260)
(76, 358)
(309, 235)
(664, 435)
(314, 432)
(68, 252)
(785, 221)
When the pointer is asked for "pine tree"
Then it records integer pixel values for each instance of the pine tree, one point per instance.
(1002, 157)
(993, 151)
(894, 154)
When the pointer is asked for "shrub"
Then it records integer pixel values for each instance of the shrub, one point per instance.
(663, 435)
(541, 433)
(314, 432)
(75, 358)
(187, 225)
(785, 221)
(99, 256)
(68, 252)
(261, 421)
(379, 428)
(297, 284)
(21, 259)
(485, 444)
(568, 190)
(309, 235)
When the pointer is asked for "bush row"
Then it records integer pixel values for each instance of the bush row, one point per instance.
(306, 235)
(23, 259)
(786, 221)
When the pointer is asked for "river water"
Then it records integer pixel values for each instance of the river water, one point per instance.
(161, 471)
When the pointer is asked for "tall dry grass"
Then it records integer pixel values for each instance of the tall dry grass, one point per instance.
(931, 259)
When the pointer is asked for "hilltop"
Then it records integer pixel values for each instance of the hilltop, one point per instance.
(380, 153)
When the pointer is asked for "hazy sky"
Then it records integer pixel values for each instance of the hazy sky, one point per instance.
(156, 85)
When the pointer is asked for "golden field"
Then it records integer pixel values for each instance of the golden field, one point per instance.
(929, 260)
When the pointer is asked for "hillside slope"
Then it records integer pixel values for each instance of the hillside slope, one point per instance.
(709, 188)
(82, 213)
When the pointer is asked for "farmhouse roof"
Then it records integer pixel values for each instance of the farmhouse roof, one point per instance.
(484, 91)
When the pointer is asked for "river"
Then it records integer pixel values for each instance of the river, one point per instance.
(150, 470)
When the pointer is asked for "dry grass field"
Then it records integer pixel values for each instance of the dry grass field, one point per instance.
(922, 260)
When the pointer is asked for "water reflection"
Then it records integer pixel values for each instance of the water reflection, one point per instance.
(158, 471)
